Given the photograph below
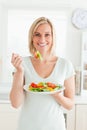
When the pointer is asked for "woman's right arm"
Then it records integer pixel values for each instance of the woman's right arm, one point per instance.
(17, 93)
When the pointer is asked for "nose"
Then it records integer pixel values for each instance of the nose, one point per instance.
(42, 39)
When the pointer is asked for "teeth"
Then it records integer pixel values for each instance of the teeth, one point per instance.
(42, 44)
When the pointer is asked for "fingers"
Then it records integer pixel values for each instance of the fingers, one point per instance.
(56, 94)
(16, 60)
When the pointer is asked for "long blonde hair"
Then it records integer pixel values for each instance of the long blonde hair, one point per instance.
(34, 26)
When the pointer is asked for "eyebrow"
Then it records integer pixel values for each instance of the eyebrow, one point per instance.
(39, 32)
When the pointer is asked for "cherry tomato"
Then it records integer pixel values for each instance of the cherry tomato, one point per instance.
(52, 85)
(34, 85)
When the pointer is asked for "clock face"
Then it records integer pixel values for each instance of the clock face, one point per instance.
(79, 18)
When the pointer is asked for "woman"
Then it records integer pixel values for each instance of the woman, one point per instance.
(42, 112)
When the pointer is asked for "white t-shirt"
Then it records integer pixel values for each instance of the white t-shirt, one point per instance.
(42, 112)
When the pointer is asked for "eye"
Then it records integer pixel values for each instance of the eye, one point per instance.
(47, 34)
(37, 34)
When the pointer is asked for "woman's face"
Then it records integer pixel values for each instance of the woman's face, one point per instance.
(42, 38)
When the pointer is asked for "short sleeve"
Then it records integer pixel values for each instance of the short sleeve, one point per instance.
(69, 70)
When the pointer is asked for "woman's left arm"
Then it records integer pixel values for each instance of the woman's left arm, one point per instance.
(67, 100)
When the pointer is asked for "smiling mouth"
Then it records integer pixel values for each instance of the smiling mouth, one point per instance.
(42, 44)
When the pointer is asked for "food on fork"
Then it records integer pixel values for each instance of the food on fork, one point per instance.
(38, 55)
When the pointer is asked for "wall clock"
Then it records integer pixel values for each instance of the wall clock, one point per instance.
(79, 18)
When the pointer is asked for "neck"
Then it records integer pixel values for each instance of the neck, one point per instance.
(48, 57)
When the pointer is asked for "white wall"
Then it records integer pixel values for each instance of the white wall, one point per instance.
(3, 39)
(74, 42)
(0, 40)
(74, 39)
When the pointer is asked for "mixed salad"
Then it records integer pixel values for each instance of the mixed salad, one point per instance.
(44, 87)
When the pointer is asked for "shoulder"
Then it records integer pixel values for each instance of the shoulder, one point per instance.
(65, 61)
(68, 67)
(67, 64)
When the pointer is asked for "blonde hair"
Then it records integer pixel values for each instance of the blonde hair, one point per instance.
(34, 26)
